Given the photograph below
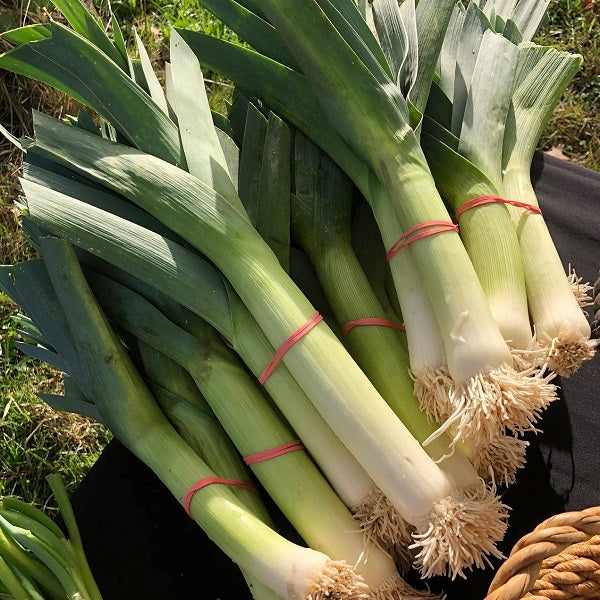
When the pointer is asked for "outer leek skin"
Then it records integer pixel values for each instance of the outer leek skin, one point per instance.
(141, 426)
(425, 343)
(489, 238)
(556, 313)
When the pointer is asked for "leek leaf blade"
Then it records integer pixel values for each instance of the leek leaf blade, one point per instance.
(87, 26)
(58, 60)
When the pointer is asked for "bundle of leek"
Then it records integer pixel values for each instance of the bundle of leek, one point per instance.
(511, 110)
(363, 115)
(321, 212)
(193, 282)
(292, 480)
(203, 208)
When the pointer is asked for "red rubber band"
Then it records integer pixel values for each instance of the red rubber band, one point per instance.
(371, 321)
(274, 452)
(481, 200)
(187, 499)
(298, 334)
(408, 238)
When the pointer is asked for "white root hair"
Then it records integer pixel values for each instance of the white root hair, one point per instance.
(460, 533)
(481, 409)
(383, 525)
(338, 581)
(500, 460)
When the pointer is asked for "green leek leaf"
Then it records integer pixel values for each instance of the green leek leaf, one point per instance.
(88, 27)
(59, 60)
(204, 154)
(156, 91)
(273, 207)
(255, 132)
(252, 28)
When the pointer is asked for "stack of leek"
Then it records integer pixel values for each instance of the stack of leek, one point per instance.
(214, 222)
(81, 339)
(182, 174)
(489, 395)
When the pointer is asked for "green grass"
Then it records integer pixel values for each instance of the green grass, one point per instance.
(574, 25)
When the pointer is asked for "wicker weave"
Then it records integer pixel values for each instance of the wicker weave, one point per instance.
(559, 560)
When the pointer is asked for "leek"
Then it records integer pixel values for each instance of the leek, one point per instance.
(319, 363)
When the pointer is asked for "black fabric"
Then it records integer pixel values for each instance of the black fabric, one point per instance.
(141, 544)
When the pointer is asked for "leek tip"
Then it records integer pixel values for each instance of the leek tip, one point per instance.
(461, 532)
(383, 525)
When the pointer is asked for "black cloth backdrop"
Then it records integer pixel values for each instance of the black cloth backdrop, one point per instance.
(141, 544)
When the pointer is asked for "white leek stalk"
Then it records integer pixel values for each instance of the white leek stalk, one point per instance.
(561, 328)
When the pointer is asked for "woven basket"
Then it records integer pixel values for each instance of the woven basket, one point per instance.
(559, 560)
